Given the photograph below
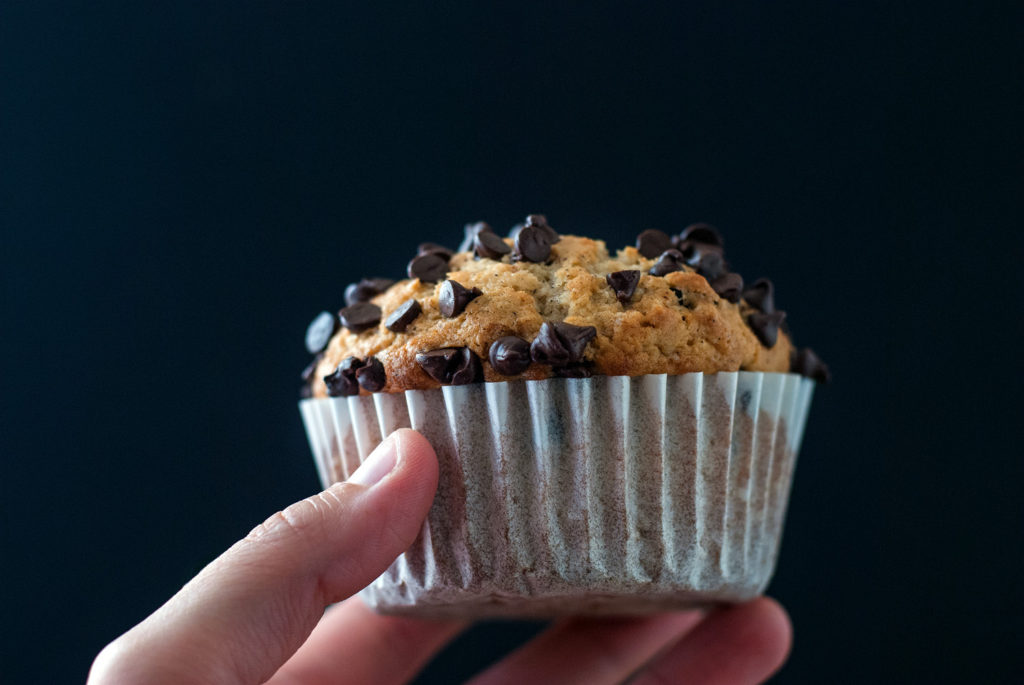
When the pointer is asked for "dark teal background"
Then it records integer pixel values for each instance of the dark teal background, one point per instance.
(184, 186)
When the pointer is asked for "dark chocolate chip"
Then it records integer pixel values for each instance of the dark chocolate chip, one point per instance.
(560, 343)
(576, 338)
(510, 355)
(434, 248)
(350, 364)
(468, 369)
(624, 284)
(320, 332)
(532, 245)
(454, 297)
(728, 286)
(711, 266)
(429, 268)
(342, 383)
(540, 221)
(693, 252)
(652, 243)
(371, 376)
(469, 234)
(669, 261)
(365, 289)
(547, 348)
(404, 315)
(360, 316)
(702, 233)
(806, 363)
(573, 371)
(766, 326)
(488, 244)
(761, 295)
(435, 362)
(307, 373)
(451, 365)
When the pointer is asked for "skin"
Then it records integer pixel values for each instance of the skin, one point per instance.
(257, 613)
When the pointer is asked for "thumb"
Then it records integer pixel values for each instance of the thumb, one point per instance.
(251, 608)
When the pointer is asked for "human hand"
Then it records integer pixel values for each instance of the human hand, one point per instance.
(256, 613)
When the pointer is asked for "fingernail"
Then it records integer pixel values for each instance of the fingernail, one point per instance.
(379, 464)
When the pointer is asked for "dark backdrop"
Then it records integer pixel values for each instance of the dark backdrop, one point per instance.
(183, 188)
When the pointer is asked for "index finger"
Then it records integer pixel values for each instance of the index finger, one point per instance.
(247, 612)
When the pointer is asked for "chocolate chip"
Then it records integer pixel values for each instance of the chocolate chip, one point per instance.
(573, 371)
(342, 383)
(669, 261)
(532, 245)
(761, 295)
(548, 348)
(488, 244)
(451, 365)
(806, 363)
(624, 284)
(766, 326)
(349, 365)
(728, 286)
(404, 315)
(711, 266)
(560, 343)
(360, 316)
(510, 355)
(307, 373)
(469, 234)
(702, 233)
(454, 297)
(434, 248)
(365, 289)
(429, 268)
(371, 375)
(652, 243)
(693, 252)
(540, 221)
(436, 363)
(320, 332)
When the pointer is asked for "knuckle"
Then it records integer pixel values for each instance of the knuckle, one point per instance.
(301, 519)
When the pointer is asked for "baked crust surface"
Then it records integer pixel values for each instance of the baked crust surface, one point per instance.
(672, 324)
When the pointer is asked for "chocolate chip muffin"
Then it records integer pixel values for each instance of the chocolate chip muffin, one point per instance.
(538, 304)
(616, 432)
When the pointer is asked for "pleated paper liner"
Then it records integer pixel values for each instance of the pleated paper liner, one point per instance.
(609, 494)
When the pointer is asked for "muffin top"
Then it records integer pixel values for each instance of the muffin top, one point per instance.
(537, 304)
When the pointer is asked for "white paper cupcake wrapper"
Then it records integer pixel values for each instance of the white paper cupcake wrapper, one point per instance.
(610, 494)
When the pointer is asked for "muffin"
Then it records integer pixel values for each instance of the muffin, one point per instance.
(616, 433)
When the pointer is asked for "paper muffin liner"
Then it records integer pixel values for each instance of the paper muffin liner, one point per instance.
(610, 494)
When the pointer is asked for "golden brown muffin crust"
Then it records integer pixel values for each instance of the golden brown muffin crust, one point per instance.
(657, 331)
